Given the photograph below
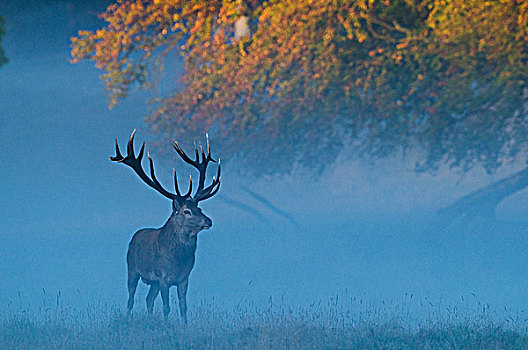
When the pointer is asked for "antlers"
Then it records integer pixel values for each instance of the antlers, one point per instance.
(201, 193)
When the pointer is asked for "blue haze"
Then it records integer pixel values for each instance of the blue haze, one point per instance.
(67, 213)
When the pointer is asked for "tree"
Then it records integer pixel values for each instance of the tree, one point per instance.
(3, 57)
(446, 78)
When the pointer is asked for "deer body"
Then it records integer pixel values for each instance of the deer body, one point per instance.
(165, 257)
(157, 257)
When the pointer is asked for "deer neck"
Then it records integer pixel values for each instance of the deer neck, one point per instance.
(173, 234)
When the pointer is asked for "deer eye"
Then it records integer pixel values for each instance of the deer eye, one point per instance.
(187, 212)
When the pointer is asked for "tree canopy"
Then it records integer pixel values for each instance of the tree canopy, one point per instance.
(280, 83)
(3, 57)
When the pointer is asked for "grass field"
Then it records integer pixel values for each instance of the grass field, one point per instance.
(316, 326)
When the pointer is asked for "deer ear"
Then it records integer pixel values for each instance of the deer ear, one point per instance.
(175, 205)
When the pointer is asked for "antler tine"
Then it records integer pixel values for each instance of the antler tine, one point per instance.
(182, 154)
(196, 153)
(208, 148)
(209, 157)
(212, 188)
(188, 194)
(213, 192)
(135, 163)
(141, 151)
(210, 191)
(118, 157)
(176, 183)
(203, 153)
(130, 144)
(151, 163)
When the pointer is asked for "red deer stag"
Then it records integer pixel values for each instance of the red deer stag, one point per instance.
(164, 257)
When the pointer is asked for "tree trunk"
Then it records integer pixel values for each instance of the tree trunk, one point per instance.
(241, 27)
(483, 202)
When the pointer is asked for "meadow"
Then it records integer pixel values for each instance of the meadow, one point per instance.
(318, 325)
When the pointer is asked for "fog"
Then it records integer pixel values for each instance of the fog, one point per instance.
(358, 231)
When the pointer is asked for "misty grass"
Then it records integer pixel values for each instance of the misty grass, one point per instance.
(316, 326)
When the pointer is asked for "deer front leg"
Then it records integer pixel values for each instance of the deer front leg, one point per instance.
(164, 289)
(151, 296)
(182, 298)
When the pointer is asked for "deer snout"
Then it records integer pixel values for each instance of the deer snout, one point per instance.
(207, 223)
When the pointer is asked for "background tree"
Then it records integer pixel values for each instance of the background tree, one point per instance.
(3, 57)
(283, 83)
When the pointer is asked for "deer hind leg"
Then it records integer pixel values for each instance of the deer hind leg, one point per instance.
(182, 299)
(164, 289)
(151, 296)
(133, 279)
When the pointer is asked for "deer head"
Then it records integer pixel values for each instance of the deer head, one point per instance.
(185, 211)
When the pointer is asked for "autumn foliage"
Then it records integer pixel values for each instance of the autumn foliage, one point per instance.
(308, 78)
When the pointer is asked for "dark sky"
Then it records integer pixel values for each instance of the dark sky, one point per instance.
(67, 213)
